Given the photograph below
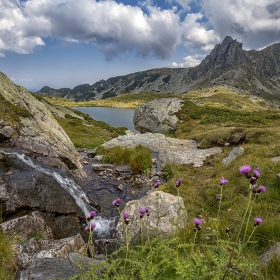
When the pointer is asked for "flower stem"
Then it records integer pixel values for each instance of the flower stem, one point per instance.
(238, 234)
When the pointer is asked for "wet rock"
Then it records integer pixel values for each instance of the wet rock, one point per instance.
(66, 226)
(124, 169)
(233, 154)
(120, 187)
(106, 246)
(91, 153)
(275, 159)
(103, 166)
(157, 116)
(163, 210)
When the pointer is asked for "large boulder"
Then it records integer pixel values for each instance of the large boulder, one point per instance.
(27, 123)
(164, 213)
(157, 115)
(169, 149)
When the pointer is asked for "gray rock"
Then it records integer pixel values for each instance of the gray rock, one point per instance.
(27, 252)
(91, 153)
(124, 169)
(36, 130)
(103, 166)
(275, 159)
(26, 226)
(102, 247)
(168, 149)
(57, 268)
(157, 116)
(6, 133)
(163, 210)
(232, 155)
(273, 252)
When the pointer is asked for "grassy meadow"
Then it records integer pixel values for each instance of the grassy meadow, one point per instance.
(224, 247)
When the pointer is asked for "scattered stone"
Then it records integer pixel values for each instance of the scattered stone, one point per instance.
(275, 159)
(102, 167)
(120, 187)
(91, 153)
(98, 158)
(233, 155)
(124, 169)
(273, 252)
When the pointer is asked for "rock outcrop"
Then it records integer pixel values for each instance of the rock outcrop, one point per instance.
(164, 213)
(168, 149)
(157, 116)
(26, 123)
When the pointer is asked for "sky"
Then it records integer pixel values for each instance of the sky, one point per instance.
(64, 43)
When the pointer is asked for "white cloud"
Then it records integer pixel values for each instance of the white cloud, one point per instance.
(195, 35)
(256, 23)
(113, 27)
(189, 61)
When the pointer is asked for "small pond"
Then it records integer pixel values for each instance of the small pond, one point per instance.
(113, 116)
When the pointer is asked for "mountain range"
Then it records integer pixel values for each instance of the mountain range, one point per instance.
(228, 64)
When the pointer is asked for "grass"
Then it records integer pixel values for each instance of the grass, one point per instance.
(139, 158)
(88, 133)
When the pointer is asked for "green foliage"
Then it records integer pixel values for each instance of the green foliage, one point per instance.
(7, 264)
(139, 158)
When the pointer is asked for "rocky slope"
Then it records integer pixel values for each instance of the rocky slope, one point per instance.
(228, 64)
(28, 123)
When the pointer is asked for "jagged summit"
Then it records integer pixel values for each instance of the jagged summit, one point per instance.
(227, 64)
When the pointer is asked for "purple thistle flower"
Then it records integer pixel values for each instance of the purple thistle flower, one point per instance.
(257, 173)
(261, 189)
(258, 221)
(157, 184)
(93, 226)
(86, 228)
(223, 181)
(106, 242)
(147, 209)
(197, 221)
(92, 214)
(179, 182)
(142, 211)
(245, 169)
(116, 202)
(125, 215)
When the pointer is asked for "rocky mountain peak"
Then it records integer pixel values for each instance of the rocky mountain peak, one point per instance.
(224, 56)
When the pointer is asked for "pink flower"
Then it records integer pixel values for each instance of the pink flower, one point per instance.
(245, 169)
(223, 181)
(258, 221)
(197, 221)
(157, 184)
(261, 189)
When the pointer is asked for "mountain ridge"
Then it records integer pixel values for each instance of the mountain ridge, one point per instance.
(256, 72)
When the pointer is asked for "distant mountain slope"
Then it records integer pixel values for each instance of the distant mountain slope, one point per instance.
(228, 64)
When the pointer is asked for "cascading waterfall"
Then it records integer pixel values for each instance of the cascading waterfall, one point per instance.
(103, 226)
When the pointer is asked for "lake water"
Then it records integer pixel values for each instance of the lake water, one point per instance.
(113, 116)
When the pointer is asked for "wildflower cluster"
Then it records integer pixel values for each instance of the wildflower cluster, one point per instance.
(116, 202)
(143, 211)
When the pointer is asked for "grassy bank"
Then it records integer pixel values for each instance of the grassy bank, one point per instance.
(214, 117)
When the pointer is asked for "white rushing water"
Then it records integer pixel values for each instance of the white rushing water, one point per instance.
(103, 226)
